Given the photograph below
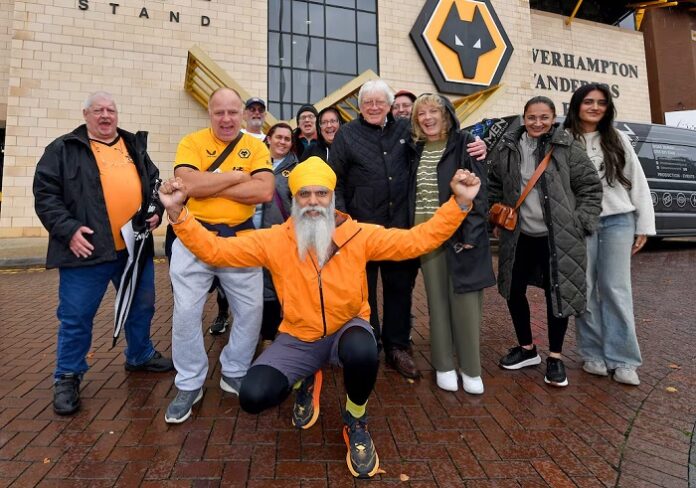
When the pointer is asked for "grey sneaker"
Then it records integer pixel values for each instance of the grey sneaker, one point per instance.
(597, 368)
(627, 376)
(180, 408)
(230, 385)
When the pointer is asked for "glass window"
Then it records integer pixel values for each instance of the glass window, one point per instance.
(340, 23)
(317, 91)
(334, 82)
(300, 51)
(340, 57)
(367, 28)
(300, 86)
(342, 3)
(316, 19)
(369, 5)
(279, 49)
(367, 58)
(300, 16)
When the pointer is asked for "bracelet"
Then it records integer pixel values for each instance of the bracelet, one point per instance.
(464, 208)
(179, 220)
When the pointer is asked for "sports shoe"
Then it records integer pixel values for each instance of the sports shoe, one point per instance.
(66, 394)
(156, 364)
(305, 411)
(627, 376)
(361, 457)
(180, 408)
(519, 357)
(219, 325)
(401, 360)
(231, 385)
(555, 372)
(473, 385)
(597, 368)
(447, 380)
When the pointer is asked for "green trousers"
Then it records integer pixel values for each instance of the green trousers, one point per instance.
(455, 318)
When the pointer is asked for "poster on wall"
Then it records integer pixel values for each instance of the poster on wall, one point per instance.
(686, 119)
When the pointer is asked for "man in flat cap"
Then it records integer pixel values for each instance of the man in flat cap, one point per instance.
(323, 289)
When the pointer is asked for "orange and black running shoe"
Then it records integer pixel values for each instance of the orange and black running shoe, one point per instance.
(305, 412)
(361, 457)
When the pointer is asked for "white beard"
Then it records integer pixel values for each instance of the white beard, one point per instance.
(314, 233)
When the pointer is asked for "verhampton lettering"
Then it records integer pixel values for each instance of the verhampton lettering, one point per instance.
(144, 14)
(584, 63)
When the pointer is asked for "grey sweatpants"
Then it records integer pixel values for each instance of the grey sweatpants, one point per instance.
(191, 280)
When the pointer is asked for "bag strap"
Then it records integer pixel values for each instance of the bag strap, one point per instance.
(535, 177)
(223, 155)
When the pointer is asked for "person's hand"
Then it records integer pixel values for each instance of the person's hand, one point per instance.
(173, 194)
(477, 149)
(153, 222)
(638, 244)
(465, 186)
(79, 245)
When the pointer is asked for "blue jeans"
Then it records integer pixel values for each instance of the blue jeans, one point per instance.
(606, 331)
(79, 294)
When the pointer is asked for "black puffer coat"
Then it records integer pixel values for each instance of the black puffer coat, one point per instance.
(372, 168)
(571, 199)
(68, 194)
(470, 269)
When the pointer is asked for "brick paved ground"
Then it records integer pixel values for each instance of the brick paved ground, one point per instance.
(519, 433)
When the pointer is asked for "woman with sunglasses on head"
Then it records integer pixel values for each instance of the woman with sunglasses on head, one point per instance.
(277, 211)
(456, 273)
(329, 121)
(547, 246)
(606, 333)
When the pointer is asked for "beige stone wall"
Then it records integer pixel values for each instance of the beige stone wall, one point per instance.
(6, 7)
(589, 39)
(60, 53)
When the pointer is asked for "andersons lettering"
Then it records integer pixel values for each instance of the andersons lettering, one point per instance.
(579, 63)
(113, 7)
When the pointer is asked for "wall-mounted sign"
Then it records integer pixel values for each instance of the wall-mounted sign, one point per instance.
(173, 16)
(462, 43)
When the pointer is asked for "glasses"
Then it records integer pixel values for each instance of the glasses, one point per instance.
(324, 123)
(402, 106)
(374, 103)
(307, 118)
(259, 110)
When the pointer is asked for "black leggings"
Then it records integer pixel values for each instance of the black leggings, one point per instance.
(265, 387)
(532, 256)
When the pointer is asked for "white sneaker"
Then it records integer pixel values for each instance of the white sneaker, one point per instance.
(472, 385)
(597, 368)
(447, 380)
(627, 376)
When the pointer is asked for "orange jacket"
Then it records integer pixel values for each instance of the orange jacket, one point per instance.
(317, 302)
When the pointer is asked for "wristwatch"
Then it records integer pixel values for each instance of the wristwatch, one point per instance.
(465, 208)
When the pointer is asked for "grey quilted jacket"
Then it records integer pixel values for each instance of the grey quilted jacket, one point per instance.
(571, 195)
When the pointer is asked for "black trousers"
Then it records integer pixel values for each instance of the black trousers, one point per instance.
(265, 386)
(398, 278)
(532, 257)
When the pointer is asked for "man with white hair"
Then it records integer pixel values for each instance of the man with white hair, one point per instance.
(254, 117)
(88, 185)
(226, 173)
(316, 259)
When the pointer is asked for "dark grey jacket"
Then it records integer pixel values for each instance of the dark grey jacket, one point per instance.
(470, 269)
(571, 198)
(372, 169)
(68, 194)
(272, 213)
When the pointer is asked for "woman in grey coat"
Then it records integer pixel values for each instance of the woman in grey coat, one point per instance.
(547, 247)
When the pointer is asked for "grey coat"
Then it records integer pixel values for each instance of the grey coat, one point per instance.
(571, 195)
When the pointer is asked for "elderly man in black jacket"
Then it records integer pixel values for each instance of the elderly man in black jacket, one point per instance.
(88, 184)
(371, 157)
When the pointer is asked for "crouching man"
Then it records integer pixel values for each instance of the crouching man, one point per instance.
(317, 260)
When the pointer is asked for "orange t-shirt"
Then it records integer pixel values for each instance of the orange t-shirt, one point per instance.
(120, 183)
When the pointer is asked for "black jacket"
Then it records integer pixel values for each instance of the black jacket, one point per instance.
(68, 194)
(469, 269)
(372, 168)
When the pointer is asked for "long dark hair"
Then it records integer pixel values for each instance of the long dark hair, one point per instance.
(609, 140)
(275, 127)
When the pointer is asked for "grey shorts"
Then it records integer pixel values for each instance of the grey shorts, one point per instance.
(297, 359)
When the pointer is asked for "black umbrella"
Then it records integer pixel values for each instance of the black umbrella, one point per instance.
(135, 236)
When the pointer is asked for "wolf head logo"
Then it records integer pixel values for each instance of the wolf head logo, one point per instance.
(469, 39)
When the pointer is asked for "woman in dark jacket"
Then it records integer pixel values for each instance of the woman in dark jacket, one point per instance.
(547, 247)
(277, 211)
(328, 123)
(455, 274)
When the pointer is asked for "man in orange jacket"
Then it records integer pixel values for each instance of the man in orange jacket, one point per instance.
(317, 261)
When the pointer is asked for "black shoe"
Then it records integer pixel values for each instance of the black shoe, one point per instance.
(555, 372)
(219, 325)
(305, 411)
(519, 357)
(66, 394)
(361, 457)
(156, 364)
